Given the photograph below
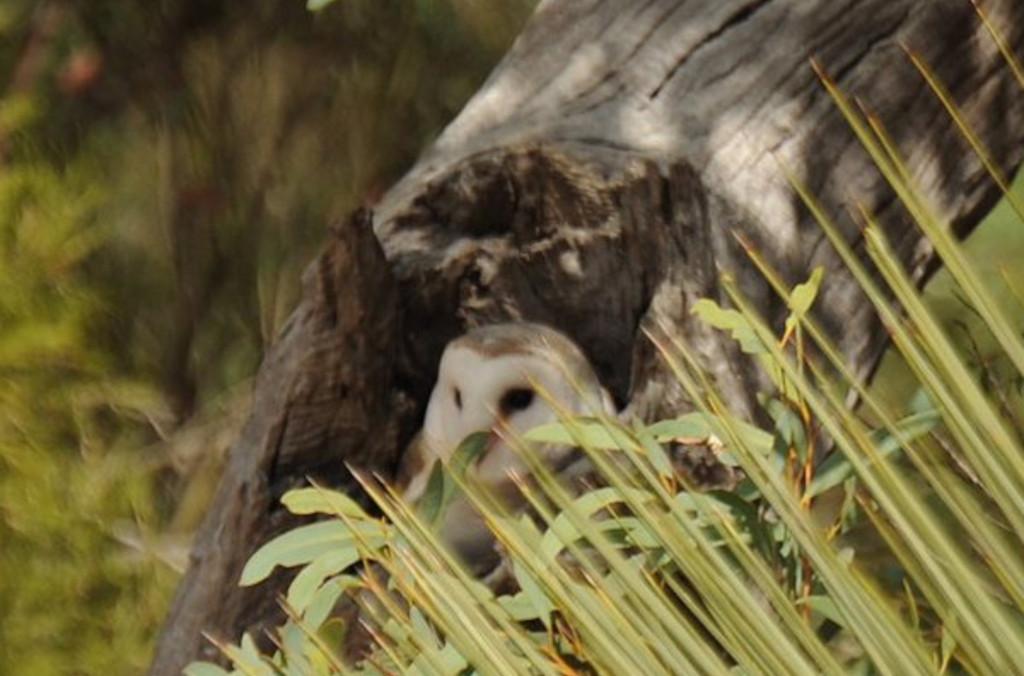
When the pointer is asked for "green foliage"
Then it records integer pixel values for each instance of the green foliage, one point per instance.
(64, 499)
(442, 486)
(164, 176)
(771, 591)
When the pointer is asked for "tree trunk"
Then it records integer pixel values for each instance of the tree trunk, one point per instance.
(595, 183)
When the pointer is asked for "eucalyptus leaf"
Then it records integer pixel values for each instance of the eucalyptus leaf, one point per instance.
(542, 605)
(430, 503)
(306, 543)
(562, 529)
(789, 428)
(446, 661)
(695, 426)
(825, 606)
(750, 519)
(295, 647)
(247, 657)
(303, 588)
(204, 669)
(588, 432)
(519, 607)
(700, 426)
(947, 645)
(732, 321)
(318, 500)
(837, 467)
(326, 597)
(419, 625)
(452, 660)
(802, 297)
(441, 487)
(921, 402)
(659, 458)
(467, 453)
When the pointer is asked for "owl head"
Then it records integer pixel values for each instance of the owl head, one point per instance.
(491, 380)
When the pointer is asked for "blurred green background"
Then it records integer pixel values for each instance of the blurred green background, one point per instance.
(166, 171)
(996, 250)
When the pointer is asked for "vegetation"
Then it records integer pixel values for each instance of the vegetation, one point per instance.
(165, 174)
(884, 539)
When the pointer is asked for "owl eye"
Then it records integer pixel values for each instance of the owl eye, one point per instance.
(516, 399)
(458, 398)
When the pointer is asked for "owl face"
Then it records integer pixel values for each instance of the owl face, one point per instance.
(490, 380)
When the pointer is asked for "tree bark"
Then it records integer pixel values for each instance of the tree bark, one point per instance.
(595, 183)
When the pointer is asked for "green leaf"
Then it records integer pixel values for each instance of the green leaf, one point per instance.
(563, 531)
(701, 426)
(452, 661)
(419, 625)
(430, 505)
(204, 669)
(471, 448)
(519, 607)
(695, 426)
(306, 543)
(659, 458)
(729, 320)
(837, 467)
(303, 588)
(947, 646)
(789, 428)
(589, 431)
(441, 488)
(802, 298)
(920, 402)
(749, 518)
(296, 646)
(247, 658)
(447, 659)
(318, 500)
(824, 605)
(542, 605)
(326, 596)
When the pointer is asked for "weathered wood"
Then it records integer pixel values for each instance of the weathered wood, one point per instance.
(594, 183)
(324, 394)
(619, 96)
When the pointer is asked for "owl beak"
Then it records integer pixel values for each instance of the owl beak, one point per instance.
(499, 434)
(493, 439)
(499, 428)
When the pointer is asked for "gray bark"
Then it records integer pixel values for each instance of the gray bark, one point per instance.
(594, 183)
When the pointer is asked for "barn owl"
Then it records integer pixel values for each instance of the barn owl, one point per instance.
(488, 381)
